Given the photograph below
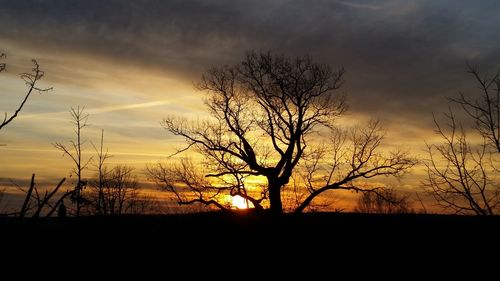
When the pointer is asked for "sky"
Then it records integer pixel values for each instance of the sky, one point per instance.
(131, 63)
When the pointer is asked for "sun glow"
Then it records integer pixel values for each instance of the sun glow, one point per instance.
(238, 202)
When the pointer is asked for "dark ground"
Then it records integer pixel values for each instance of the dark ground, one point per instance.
(237, 238)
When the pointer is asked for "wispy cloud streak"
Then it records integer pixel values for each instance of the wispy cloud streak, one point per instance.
(100, 110)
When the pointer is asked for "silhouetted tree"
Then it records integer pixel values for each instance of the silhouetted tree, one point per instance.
(31, 79)
(74, 151)
(383, 201)
(461, 170)
(265, 113)
(117, 192)
(98, 185)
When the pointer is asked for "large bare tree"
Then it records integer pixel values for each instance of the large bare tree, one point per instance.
(462, 170)
(31, 79)
(265, 114)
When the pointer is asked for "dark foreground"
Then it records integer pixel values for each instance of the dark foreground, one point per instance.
(233, 237)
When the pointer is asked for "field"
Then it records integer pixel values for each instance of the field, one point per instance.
(241, 234)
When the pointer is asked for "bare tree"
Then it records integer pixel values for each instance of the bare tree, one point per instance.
(265, 112)
(118, 192)
(384, 201)
(74, 151)
(102, 176)
(461, 175)
(31, 79)
(115, 191)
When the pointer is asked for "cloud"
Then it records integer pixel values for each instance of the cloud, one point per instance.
(359, 5)
(104, 109)
(387, 46)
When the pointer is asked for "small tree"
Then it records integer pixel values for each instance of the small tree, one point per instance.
(115, 191)
(383, 201)
(118, 192)
(102, 176)
(31, 79)
(74, 151)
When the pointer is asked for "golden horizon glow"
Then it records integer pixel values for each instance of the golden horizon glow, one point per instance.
(238, 202)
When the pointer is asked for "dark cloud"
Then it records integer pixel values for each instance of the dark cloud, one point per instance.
(402, 57)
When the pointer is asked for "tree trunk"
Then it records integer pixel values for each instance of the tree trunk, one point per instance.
(275, 198)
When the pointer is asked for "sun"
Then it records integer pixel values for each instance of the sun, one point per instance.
(238, 202)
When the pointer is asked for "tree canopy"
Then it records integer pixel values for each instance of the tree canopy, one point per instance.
(267, 114)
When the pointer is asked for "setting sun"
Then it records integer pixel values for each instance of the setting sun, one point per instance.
(238, 202)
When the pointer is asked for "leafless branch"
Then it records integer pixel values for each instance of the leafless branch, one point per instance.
(355, 158)
(484, 109)
(31, 80)
(459, 174)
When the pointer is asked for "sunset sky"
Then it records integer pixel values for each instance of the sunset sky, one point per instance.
(131, 63)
